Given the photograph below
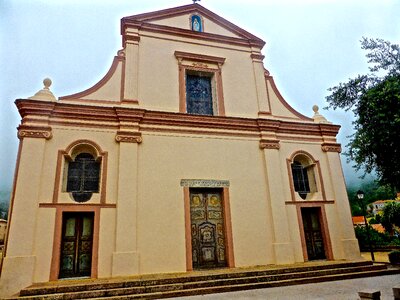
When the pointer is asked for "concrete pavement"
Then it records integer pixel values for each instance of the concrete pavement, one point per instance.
(333, 290)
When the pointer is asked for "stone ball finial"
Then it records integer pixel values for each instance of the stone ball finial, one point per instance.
(47, 83)
(44, 94)
(318, 118)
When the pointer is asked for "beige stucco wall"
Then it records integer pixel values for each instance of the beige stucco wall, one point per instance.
(183, 22)
(159, 79)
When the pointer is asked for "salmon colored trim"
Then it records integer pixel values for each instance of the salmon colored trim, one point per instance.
(227, 225)
(220, 94)
(194, 35)
(301, 230)
(67, 114)
(317, 202)
(141, 19)
(65, 155)
(321, 185)
(126, 101)
(55, 260)
(324, 229)
(57, 179)
(10, 209)
(199, 57)
(188, 230)
(228, 228)
(202, 59)
(101, 83)
(91, 101)
(182, 90)
(55, 205)
(270, 79)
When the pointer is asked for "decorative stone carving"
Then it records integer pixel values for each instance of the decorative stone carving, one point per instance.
(331, 147)
(204, 183)
(128, 137)
(269, 144)
(44, 94)
(43, 132)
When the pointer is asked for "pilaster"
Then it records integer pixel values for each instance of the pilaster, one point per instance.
(282, 244)
(261, 87)
(19, 253)
(131, 68)
(350, 245)
(125, 259)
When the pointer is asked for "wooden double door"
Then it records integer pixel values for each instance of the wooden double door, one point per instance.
(313, 233)
(76, 245)
(207, 229)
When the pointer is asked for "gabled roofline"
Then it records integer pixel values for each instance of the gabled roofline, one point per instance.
(140, 19)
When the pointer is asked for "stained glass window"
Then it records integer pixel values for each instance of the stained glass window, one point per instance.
(83, 177)
(199, 95)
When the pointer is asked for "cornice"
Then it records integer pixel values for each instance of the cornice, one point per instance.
(143, 20)
(186, 33)
(199, 57)
(112, 117)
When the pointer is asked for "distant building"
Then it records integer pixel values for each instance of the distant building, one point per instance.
(358, 221)
(184, 157)
(378, 205)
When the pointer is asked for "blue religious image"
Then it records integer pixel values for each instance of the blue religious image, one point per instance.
(196, 23)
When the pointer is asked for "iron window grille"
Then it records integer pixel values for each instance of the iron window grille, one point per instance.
(83, 177)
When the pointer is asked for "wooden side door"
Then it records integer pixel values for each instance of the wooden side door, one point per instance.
(313, 233)
(207, 228)
(76, 245)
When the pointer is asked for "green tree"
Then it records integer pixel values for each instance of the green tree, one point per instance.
(375, 100)
(391, 216)
(373, 191)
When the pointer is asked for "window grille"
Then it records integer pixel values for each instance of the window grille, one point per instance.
(300, 179)
(83, 177)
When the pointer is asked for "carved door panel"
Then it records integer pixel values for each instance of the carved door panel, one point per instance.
(76, 245)
(312, 233)
(207, 226)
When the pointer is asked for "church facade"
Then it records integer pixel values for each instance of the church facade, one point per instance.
(183, 157)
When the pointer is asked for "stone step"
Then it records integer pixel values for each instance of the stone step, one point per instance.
(84, 285)
(249, 286)
(211, 283)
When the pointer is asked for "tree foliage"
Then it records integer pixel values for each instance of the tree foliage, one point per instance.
(391, 216)
(375, 100)
(373, 191)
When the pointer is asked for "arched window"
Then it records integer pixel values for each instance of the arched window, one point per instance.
(83, 177)
(303, 175)
(300, 179)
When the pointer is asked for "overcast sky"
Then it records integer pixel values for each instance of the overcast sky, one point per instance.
(311, 46)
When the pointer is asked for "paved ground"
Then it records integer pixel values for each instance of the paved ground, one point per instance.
(333, 290)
